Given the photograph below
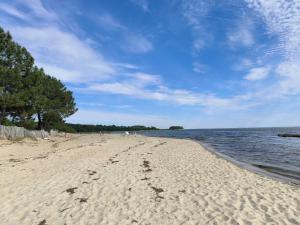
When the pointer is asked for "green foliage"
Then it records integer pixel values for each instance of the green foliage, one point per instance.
(49, 99)
(64, 127)
(176, 128)
(27, 94)
(97, 128)
(29, 124)
(7, 122)
(15, 64)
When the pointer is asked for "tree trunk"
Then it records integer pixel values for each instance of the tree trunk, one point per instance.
(40, 125)
(2, 115)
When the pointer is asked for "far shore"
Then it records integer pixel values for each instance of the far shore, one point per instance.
(117, 179)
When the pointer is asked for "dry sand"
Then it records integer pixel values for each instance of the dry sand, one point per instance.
(113, 179)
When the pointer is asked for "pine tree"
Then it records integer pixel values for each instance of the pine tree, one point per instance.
(15, 64)
(27, 94)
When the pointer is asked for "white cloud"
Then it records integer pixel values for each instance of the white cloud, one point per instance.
(150, 87)
(258, 73)
(114, 88)
(243, 64)
(38, 9)
(198, 67)
(194, 10)
(60, 52)
(127, 66)
(199, 43)
(133, 42)
(141, 3)
(145, 78)
(241, 37)
(282, 19)
(136, 43)
(108, 22)
(290, 82)
(34, 9)
(289, 69)
(8, 9)
(63, 54)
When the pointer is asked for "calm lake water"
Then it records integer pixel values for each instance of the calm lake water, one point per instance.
(259, 148)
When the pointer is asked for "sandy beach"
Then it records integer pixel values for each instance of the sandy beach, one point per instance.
(114, 179)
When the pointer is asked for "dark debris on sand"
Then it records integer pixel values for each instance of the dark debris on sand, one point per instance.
(43, 222)
(71, 190)
(157, 192)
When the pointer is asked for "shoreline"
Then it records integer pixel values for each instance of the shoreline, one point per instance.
(249, 167)
(115, 179)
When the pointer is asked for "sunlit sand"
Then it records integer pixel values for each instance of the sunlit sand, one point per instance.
(115, 179)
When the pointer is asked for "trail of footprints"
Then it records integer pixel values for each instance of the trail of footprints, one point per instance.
(15, 161)
(72, 190)
(146, 169)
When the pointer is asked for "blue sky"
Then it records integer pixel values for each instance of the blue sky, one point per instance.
(196, 63)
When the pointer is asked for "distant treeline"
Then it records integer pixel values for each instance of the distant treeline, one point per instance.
(28, 96)
(176, 128)
(83, 128)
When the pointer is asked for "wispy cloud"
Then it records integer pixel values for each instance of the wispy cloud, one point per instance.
(136, 43)
(243, 64)
(282, 19)
(258, 73)
(13, 11)
(198, 67)
(290, 82)
(198, 44)
(194, 11)
(151, 87)
(145, 78)
(141, 3)
(63, 54)
(33, 9)
(242, 35)
(107, 21)
(131, 41)
(38, 9)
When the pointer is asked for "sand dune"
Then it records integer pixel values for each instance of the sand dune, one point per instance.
(113, 179)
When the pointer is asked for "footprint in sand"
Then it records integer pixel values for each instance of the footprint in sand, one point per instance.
(157, 145)
(71, 190)
(146, 165)
(82, 200)
(91, 172)
(43, 222)
(157, 192)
